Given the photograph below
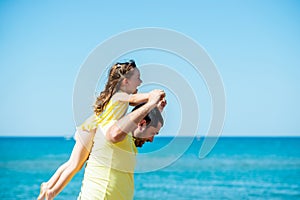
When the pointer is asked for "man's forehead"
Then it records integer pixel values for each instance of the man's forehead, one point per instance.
(158, 126)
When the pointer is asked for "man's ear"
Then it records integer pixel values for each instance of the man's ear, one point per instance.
(142, 124)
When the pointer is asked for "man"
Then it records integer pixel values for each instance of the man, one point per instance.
(110, 167)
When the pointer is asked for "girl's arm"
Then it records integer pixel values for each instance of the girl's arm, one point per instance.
(136, 99)
(132, 99)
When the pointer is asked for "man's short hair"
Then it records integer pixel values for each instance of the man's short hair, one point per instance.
(153, 117)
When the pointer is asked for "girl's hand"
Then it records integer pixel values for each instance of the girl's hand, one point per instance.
(155, 96)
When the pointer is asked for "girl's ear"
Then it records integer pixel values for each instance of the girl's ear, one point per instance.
(125, 81)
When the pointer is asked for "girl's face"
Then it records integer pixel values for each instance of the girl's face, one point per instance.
(133, 82)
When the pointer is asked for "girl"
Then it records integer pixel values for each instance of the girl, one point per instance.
(111, 105)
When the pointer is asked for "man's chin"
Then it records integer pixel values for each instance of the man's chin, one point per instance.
(141, 144)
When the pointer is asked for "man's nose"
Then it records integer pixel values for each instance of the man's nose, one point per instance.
(150, 139)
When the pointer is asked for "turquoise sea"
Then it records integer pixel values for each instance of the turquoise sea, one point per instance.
(237, 168)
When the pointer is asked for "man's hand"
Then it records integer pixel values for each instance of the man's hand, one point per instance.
(161, 104)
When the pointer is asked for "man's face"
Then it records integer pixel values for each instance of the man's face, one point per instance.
(145, 135)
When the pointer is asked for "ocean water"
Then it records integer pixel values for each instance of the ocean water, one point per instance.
(237, 168)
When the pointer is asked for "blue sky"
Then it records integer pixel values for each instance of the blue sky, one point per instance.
(254, 44)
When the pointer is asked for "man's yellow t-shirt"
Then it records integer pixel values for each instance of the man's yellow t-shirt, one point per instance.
(110, 167)
(109, 170)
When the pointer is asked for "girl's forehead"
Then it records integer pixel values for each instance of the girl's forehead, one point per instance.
(136, 71)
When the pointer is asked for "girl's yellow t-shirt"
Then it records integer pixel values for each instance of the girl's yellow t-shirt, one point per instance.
(114, 110)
